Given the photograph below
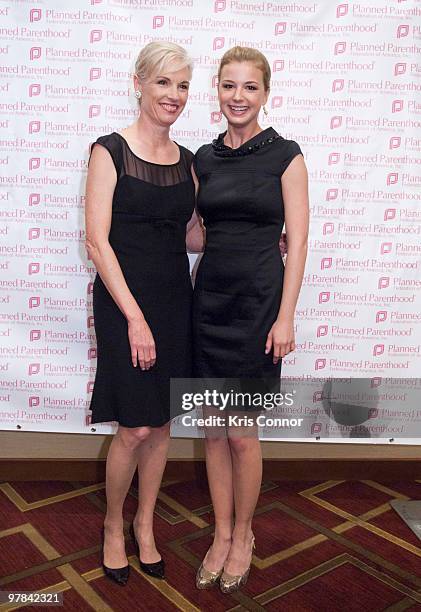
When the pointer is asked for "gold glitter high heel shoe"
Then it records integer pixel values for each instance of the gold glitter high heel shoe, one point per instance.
(205, 579)
(229, 583)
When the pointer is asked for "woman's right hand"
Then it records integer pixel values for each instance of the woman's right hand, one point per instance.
(142, 344)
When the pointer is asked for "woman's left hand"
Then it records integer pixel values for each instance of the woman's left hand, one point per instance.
(281, 338)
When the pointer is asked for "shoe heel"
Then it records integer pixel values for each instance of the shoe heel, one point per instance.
(229, 583)
(155, 570)
(120, 575)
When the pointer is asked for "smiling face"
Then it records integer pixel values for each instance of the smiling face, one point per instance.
(241, 93)
(164, 95)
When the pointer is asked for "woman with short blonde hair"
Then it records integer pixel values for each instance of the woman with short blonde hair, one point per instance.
(139, 201)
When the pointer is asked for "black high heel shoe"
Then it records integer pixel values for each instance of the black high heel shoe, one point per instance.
(119, 574)
(157, 569)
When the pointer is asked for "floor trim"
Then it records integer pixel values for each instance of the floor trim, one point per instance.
(275, 469)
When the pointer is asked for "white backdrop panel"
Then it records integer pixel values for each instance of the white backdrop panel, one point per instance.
(346, 86)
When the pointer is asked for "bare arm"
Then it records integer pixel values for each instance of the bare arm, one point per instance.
(100, 185)
(295, 195)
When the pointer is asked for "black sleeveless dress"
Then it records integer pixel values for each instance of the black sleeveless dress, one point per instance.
(239, 280)
(152, 204)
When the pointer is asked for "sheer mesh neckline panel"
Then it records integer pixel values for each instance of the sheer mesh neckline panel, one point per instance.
(149, 172)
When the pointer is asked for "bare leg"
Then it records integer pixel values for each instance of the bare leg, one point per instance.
(152, 457)
(247, 478)
(219, 471)
(121, 466)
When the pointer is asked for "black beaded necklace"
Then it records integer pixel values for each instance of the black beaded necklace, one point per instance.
(222, 150)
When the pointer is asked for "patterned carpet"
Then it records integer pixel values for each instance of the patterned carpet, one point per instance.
(322, 546)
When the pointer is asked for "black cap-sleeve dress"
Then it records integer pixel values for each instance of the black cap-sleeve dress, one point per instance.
(152, 204)
(239, 279)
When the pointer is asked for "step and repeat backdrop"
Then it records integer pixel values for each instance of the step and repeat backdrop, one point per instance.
(346, 85)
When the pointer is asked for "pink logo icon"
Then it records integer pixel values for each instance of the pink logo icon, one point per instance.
(215, 80)
(88, 420)
(378, 349)
(94, 110)
(322, 330)
(338, 85)
(389, 213)
(34, 301)
(34, 53)
(328, 228)
(95, 36)
(157, 21)
(219, 6)
(335, 122)
(216, 116)
(340, 47)
(90, 289)
(218, 42)
(341, 10)
(381, 315)
(395, 142)
(90, 387)
(383, 282)
(33, 401)
(376, 381)
(392, 178)
(277, 101)
(397, 106)
(34, 334)
(92, 353)
(334, 158)
(280, 28)
(94, 73)
(34, 199)
(385, 247)
(34, 15)
(34, 232)
(33, 268)
(34, 89)
(34, 127)
(317, 396)
(34, 368)
(373, 413)
(326, 263)
(320, 364)
(34, 163)
(332, 194)
(324, 296)
(278, 65)
(316, 428)
(400, 68)
(402, 31)
(90, 321)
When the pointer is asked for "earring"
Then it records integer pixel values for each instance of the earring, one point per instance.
(138, 94)
(265, 110)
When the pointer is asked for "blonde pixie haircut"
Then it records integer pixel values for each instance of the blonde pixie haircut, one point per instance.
(159, 55)
(247, 54)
